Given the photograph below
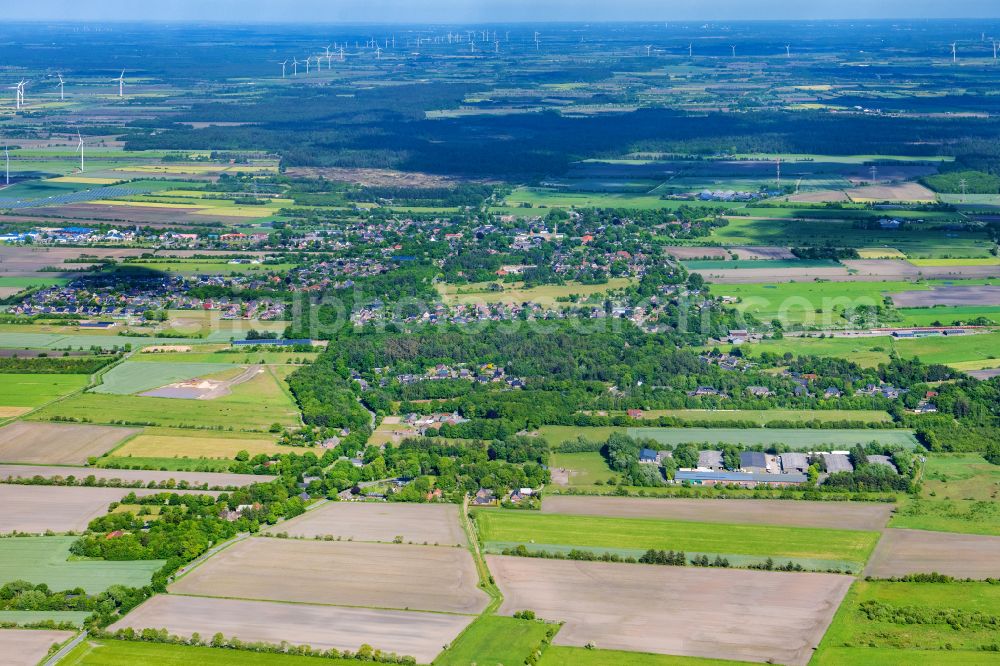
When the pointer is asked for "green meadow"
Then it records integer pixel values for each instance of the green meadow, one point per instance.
(596, 532)
(104, 652)
(46, 560)
(494, 639)
(560, 655)
(33, 390)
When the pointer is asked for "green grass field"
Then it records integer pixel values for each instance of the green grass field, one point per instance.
(219, 357)
(138, 376)
(252, 406)
(31, 617)
(105, 652)
(34, 390)
(45, 560)
(857, 637)
(559, 655)
(642, 533)
(763, 416)
(959, 494)
(83, 340)
(493, 639)
(583, 468)
(801, 438)
(25, 282)
(948, 315)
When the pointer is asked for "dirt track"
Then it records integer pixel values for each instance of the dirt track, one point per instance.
(837, 515)
(901, 552)
(716, 613)
(343, 573)
(57, 443)
(420, 635)
(365, 521)
(27, 647)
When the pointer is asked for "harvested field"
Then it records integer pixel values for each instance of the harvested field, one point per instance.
(374, 177)
(57, 443)
(836, 515)
(436, 524)
(905, 192)
(35, 509)
(21, 259)
(895, 269)
(213, 479)
(901, 552)
(8, 412)
(188, 444)
(753, 275)
(350, 574)
(989, 373)
(758, 252)
(728, 614)
(974, 295)
(27, 647)
(419, 635)
(687, 253)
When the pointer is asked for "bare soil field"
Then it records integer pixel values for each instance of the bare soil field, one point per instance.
(754, 275)
(755, 253)
(889, 172)
(908, 192)
(836, 515)
(977, 295)
(213, 479)
(896, 270)
(27, 647)
(35, 509)
(366, 521)
(343, 573)
(58, 443)
(419, 635)
(21, 259)
(718, 613)
(983, 375)
(685, 253)
(900, 552)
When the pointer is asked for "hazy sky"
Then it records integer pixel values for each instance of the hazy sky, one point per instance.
(489, 11)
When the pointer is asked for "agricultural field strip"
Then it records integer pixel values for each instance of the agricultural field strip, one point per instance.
(902, 551)
(414, 633)
(37, 508)
(370, 575)
(436, 524)
(27, 647)
(596, 532)
(213, 479)
(137, 376)
(834, 515)
(714, 613)
(58, 443)
(796, 438)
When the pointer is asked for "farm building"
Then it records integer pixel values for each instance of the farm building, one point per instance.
(711, 460)
(837, 462)
(794, 462)
(746, 479)
(648, 456)
(753, 462)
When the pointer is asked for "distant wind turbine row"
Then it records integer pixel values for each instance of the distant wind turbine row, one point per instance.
(19, 103)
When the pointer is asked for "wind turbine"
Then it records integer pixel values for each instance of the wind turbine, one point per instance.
(308, 58)
(649, 49)
(283, 68)
(295, 66)
(378, 52)
(341, 54)
(691, 50)
(954, 51)
(733, 47)
(328, 58)
(61, 83)
(788, 50)
(121, 86)
(536, 40)
(79, 148)
(995, 45)
(18, 94)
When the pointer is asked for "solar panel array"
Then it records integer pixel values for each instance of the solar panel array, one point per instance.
(110, 192)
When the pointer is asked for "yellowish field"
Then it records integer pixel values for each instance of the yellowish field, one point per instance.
(8, 412)
(86, 180)
(237, 211)
(545, 295)
(162, 443)
(979, 261)
(880, 253)
(144, 204)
